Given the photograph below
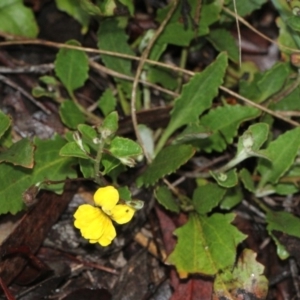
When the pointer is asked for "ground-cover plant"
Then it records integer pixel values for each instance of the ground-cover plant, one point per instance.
(258, 132)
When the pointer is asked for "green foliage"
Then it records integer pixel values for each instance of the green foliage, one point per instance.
(71, 67)
(165, 198)
(224, 122)
(261, 155)
(49, 165)
(19, 154)
(282, 153)
(5, 122)
(206, 197)
(166, 162)
(70, 114)
(17, 19)
(197, 96)
(211, 243)
(74, 9)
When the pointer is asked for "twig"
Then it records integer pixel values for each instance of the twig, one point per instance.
(24, 93)
(142, 61)
(157, 63)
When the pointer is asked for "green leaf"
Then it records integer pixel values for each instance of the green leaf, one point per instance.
(49, 165)
(226, 180)
(124, 193)
(164, 196)
(265, 84)
(284, 222)
(192, 132)
(87, 167)
(5, 122)
(247, 276)
(72, 149)
(244, 8)
(206, 197)
(125, 150)
(222, 40)
(256, 135)
(20, 153)
(232, 198)
(109, 125)
(166, 162)
(293, 22)
(211, 243)
(129, 4)
(71, 67)
(282, 153)
(247, 180)
(74, 9)
(17, 19)
(70, 114)
(109, 163)
(113, 38)
(196, 96)
(224, 122)
(107, 102)
(175, 33)
(88, 136)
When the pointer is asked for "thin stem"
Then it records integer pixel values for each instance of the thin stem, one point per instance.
(138, 73)
(97, 161)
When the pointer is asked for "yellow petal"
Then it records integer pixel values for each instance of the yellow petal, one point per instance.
(108, 235)
(106, 197)
(122, 213)
(91, 221)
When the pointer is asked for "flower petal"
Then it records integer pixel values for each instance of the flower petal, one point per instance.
(106, 197)
(91, 221)
(109, 233)
(122, 213)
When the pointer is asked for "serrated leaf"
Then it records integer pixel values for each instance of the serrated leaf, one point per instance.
(20, 153)
(206, 197)
(17, 19)
(175, 32)
(164, 196)
(166, 162)
(5, 122)
(72, 149)
(211, 243)
(107, 102)
(243, 8)
(224, 122)
(245, 279)
(226, 180)
(284, 222)
(197, 96)
(49, 165)
(70, 114)
(113, 38)
(222, 40)
(265, 84)
(282, 153)
(74, 9)
(71, 67)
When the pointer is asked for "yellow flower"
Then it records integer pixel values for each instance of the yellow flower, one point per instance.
(95, 223)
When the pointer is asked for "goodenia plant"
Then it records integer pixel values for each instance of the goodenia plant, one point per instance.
(262, 158)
